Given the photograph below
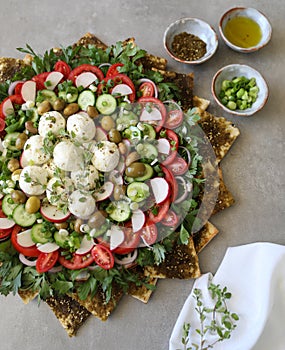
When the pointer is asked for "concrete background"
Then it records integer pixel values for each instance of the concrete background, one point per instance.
(253, 170)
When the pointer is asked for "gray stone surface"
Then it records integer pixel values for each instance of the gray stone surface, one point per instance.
(253, 170)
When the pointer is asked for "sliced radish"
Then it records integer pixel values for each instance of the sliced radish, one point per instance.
(48, 247)
(121, 165)
(25, 238)
(53, 80)
(163, 146)
(23, 161)
(115, 176)
(138, 220)
(122, 90)
(6, 223)
(85, 79)
(104, 192)
(7, 107)
(85, 246)
(117, 237)
(28, 91)
(153, 115)
(101, 135)
(160, 189)
(53, 214)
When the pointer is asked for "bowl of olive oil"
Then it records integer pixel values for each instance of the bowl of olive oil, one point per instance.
(245, 29)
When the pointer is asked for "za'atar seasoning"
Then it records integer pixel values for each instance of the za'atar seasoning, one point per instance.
(188, 47)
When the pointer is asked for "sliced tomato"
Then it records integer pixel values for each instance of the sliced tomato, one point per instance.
(77, 261)
(174, 143)
(27, 251)
(130, 243)
(40, 80)
(15, 99)
(161, 107)
(171, 219)
(178, 166)
(46, 261)
(149, 233)
(18, 88)
(5, 233)
(146, 89)
(103, 256)
(159, 211)
(118, 79)
(113, 70)
(169, 177)
(63, 68)
(85, 68)
(174, 119)
(2, 124)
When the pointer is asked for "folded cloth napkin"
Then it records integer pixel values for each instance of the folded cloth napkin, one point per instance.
(255, 275)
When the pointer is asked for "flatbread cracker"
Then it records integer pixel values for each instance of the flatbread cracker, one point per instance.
(225, 198)
(204, 236)
(200, 103)
(27, 295)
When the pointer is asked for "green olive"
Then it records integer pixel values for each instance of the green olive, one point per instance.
(58, 104)
(135, 169)
(29, 125)
(21, 140)
(107, 123)
(13, 164)
(119, 191)
(18, 197)
(43, 107)
(97, 219)
(33, 204)
(61, 225)
(92, 112)
(115, 136)
(70, 109)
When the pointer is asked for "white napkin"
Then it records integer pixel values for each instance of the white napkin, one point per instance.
(255, 275)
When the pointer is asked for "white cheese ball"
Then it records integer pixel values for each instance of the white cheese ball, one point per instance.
(52, 169)
(58, 190)
(85, 179)
(51, 121)
(33, 180)
(81, 127)
(34, 150)
(67, 156)
(106, 156)
(81, 204)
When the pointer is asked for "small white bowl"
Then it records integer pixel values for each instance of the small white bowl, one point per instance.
(196, 27)
(255, 15)
(236, 70)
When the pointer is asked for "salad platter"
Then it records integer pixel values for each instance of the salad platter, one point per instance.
(110, 172)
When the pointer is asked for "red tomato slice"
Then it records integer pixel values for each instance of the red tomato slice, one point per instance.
(169, 177)
(161, 108)
(178, 166)
(18, 88)
(40, 80)
(103, 256)
(119, 79)
(130, 243)
(174, 142)
(171, 219)
(113, 70)
(85, 68)
(46, 261)
(174, 119)
(63, 68)
(27, 251)
(2, 124)
(146, 89)
(162, 209)
(77, 261)
(5, 233)
(149, 233)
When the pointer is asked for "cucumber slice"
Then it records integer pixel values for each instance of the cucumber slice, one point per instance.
(10, 141)
(8, 205)
(121, 211)
(22, 218)
(46, 94)
(61, 239)
(126, 119)
(86, 98)
(132, 133)
(106, 104)
(148, 173)
(148, 131)
(138, 191)
(70, 95)
(38, 236)
(147, 150)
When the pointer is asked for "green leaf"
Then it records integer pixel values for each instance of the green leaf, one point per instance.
(184, 235)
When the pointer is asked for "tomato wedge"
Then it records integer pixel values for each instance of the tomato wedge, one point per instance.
(174, 119)
(171, 219)
(63, 68)
(174, 142)
(146, 89)
(2, 124)
(178, 166)
(46, 261)
(77, 261)
(113, 70)
(131, 241)
(85, 68)
(27, 251)
(15, 99)
(169, 177)
(161, 210)
(149, 233)
(118, 79)
(18, 88)
(103, 256)
(40, 80)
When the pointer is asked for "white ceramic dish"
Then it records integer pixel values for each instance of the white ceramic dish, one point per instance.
(196, 27)
(237, 70)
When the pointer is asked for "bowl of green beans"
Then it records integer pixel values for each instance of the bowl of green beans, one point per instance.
(239, 89)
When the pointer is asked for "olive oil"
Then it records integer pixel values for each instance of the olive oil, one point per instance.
(243, 31)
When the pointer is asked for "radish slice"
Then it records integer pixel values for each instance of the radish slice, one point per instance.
(6, 223)
(53, 80)
(115, 176)
(26, 261)
(85, 246)
(48, 247)
(104, 192)
(131, 257)
(121, 165)
(117, 237)
(145, 80)
(25, 239)
(7, 107)
(52, 214)
(153, 115)
(163, 146)
(101, 135)
(23, 161)
(28, 91)
(85, 79)
(13, 85)
(138, 220)
(122, 90)
(160, 189)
